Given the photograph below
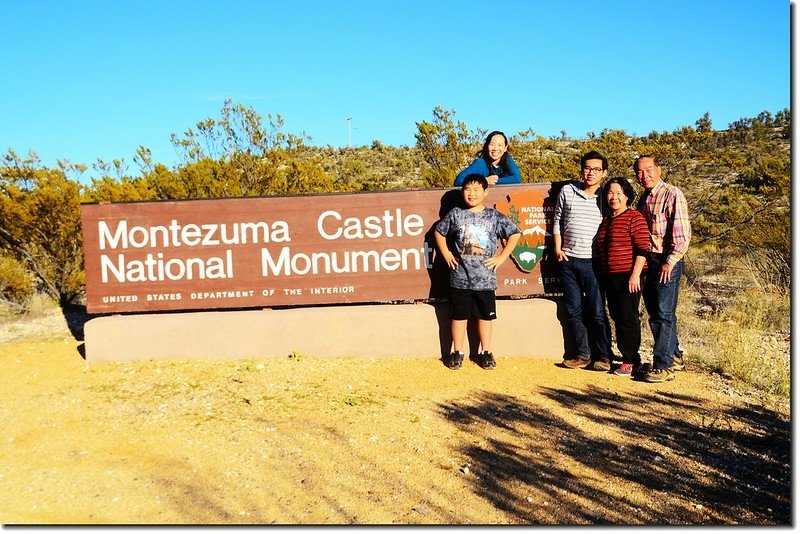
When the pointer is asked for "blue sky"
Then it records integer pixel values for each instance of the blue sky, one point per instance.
(88, 80)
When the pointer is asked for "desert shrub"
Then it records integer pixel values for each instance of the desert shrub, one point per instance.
(771, 267)
(746, 355)
(39, 305)
(438, 177)
(743, 341)
(16, 283)
(40, 224)
(755, 308)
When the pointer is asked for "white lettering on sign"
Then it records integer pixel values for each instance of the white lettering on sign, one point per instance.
(152, 297)
(157, 269)
(359, 261)
(331, 225)
(109, 299)
(222, 294)
(176, 235)
(332, 290)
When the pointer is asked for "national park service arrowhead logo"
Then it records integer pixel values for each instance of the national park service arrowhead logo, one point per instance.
(531, 211)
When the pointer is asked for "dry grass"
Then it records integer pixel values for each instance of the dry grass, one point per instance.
(747, 339)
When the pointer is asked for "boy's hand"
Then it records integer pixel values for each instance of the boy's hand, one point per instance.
(495, 261)
(451, 260)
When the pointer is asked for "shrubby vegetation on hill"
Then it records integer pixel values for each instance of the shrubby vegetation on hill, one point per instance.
(737, 181)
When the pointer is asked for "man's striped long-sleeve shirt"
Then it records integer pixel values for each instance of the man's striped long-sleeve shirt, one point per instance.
(576, 218)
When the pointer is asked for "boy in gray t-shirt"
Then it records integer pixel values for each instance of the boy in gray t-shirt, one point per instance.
(473, 279)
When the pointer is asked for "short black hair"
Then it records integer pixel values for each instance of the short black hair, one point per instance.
(626, 186)
(636, 162)
(472, 178)
(594, 154)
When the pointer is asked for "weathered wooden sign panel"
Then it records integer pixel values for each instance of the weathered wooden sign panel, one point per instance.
(284, 251)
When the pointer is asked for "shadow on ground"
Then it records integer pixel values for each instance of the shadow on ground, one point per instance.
(679, 463)
(76, 317)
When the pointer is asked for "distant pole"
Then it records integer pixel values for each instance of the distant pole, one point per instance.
(350, 132)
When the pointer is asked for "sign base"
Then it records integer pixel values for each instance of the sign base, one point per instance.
(528, 327)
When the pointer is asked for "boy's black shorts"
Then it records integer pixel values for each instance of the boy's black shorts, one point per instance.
(465, 303)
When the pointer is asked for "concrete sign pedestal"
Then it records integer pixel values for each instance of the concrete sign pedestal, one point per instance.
(528, 328)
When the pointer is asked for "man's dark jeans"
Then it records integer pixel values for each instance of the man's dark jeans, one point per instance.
(661, 300)
(582, 296)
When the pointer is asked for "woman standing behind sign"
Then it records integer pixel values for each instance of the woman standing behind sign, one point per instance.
(623, 241)
(494, 163)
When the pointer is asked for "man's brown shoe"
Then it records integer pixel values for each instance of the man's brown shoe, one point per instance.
(575, 363)
(600, 365)
(656, 376)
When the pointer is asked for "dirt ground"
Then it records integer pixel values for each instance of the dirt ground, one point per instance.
(310, 440)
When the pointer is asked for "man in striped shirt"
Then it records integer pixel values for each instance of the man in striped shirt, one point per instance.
(578, 214)
(665, 209)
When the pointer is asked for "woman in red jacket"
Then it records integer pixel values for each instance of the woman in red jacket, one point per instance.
(623, 242)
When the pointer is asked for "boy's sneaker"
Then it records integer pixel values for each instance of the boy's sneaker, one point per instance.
(624, 370)
(600, 365)
(455, 360)
(656, 376)
(678, 363)
(575, 363)
(486, 360)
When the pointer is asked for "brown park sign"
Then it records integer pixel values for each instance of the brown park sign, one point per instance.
(293, 251)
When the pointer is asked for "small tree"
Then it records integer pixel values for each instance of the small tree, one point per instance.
(446, 146)
(236, 155)
(40, 224)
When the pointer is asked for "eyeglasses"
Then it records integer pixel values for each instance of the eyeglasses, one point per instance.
(589, 170)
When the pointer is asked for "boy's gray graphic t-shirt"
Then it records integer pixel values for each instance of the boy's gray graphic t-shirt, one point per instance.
(475, 235)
